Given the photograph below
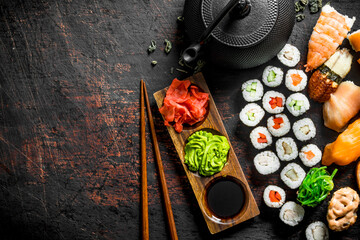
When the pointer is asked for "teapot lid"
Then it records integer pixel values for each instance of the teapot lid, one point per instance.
(244, 32)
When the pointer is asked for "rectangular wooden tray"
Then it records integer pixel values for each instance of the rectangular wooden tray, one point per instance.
(232, 168)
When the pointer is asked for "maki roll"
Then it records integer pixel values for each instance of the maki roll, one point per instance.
(292, 213)
(310, 155)
(317, 230)
(273, 102)
(266, 162)
(297, 104)
(295, 80)
(272, 76)
(252, 90)
(286, 149)
(251, 114)
(260, 138)
(304, 129)
(274, 196)
(289, 55)
(292, 175)
(278, 125)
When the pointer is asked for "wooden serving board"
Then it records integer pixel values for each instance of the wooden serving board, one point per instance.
(231, 169)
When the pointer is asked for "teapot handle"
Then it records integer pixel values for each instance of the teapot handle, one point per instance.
(240, 9)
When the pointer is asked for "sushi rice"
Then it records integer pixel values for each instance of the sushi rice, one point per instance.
(292, 78)
(279, 193)
(266, 162)
(310, 155)
(292, 213)
(251, 114)
(289, 55)
(272, 76)
(286, 149)
(252, 90)
(317, 230)
(257, 135)
(297, 104)
(276, 107)
(280, 127)
(304, 129)
(292, 175)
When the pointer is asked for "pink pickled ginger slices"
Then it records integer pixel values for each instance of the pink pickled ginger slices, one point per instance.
(184, 104)
(343, 105)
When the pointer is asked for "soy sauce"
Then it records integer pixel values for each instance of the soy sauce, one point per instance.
(225, 198)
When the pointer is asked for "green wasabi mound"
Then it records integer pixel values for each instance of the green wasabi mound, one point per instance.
(206, 153)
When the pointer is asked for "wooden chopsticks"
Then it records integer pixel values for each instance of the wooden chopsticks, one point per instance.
(165, 192)
(144, 193)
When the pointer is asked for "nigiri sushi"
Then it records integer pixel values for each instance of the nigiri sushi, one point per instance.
(343, 105)
(354, 39)
(329, 32)
(345, 149)
(326, 79)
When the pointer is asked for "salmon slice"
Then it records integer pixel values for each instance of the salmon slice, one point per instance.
(343, 105)
(329, 32)
(345, 149)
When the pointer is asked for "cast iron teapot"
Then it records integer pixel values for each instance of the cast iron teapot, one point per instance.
(237, 33)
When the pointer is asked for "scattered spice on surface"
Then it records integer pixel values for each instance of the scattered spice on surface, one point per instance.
(171, 70)
(180, 19)
(299, 17)
(299, 7)
(315, 5)
(153, 63)
(152, 46)
(181, 70)
(304, 2)
(199, 65)
(168, 46)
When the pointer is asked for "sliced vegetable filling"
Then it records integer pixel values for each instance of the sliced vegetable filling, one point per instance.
(275, 102)
(296, 79)
(297, 104)
(271, 76)
(274, 196)
(262, 138)
(309, 155)
(277, 122)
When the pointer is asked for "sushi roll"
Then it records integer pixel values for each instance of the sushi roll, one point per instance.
(273, 102)
(292, 175)
(286, 149)
(251, 114)
(278, 125)
(297, 104)
(304, 129)
(317, 231)
(292, 213)
(272, 76)
(274, 196)
(252, 90)
(260, 137)
(310, 155)
(266, 162)
(289, 55)
(295, 80)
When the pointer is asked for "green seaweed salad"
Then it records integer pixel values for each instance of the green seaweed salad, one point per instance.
(206, 153)
(316, 187)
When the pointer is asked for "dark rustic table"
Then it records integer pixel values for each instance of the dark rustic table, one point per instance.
(69, 141)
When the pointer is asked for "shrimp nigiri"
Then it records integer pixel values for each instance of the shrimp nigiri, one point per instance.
(329, 32)
(345, 149)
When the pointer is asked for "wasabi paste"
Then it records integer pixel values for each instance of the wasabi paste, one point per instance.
(206, 153)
